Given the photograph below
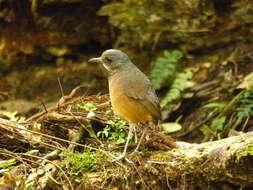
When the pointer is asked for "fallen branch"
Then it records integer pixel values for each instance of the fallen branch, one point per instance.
(189, 166)
(227, 160)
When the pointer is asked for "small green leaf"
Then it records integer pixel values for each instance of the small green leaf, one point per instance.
(171, 127)
(218, 105)
(88, 106)
(114, 131)
(218, 123)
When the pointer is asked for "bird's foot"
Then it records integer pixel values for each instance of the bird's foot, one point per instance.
(119, 157)
(122, 156)
(135, 151)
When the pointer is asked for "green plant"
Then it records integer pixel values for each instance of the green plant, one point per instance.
(216, 108)
(76, 164)
(218, 123)
(177, 87)
(88, 106)
(245, 108)
(232, 114)
(114, 131)
(6, 165)
(165, 68)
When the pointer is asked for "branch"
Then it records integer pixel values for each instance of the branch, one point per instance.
(189, 166)
(229, 160)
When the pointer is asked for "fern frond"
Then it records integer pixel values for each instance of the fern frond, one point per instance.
(245, 108)
(218, 123)
(165, 67)
(177, 87)
(238, 110)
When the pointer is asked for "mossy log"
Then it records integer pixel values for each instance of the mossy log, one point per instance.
(227, 160)
(212, 165)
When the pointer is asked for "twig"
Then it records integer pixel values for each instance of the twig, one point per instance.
(61, 103)
(59, 82)
(44, 106)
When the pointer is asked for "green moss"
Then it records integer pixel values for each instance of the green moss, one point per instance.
(247, 152)
(77, 164)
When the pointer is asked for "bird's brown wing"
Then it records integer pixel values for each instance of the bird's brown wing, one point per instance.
(139, 87)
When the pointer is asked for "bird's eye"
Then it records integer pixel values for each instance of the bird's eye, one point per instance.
(108, 59)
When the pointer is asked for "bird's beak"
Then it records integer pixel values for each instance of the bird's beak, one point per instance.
(95, 60)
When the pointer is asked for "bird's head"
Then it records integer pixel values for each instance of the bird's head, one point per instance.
(113, 60)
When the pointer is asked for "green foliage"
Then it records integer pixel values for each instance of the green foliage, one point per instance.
(88, 106)
(171, 127)
(76, 164)
(177, 87)
(233, 114)
(165, 68)
(114, 132)
(215, 106)
(217, 124)
(245, 108)
(6, 165)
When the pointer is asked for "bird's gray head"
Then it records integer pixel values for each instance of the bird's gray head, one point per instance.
(113, 60)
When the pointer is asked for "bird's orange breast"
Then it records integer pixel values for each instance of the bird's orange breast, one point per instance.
(126, 107)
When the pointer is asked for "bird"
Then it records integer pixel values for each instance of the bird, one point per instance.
(131, 93)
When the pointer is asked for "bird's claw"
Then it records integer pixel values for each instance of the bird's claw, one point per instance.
(118, 158)
(122, 156)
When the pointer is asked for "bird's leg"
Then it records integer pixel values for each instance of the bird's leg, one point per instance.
(139, 143)
(135, 134)
(131, 127)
